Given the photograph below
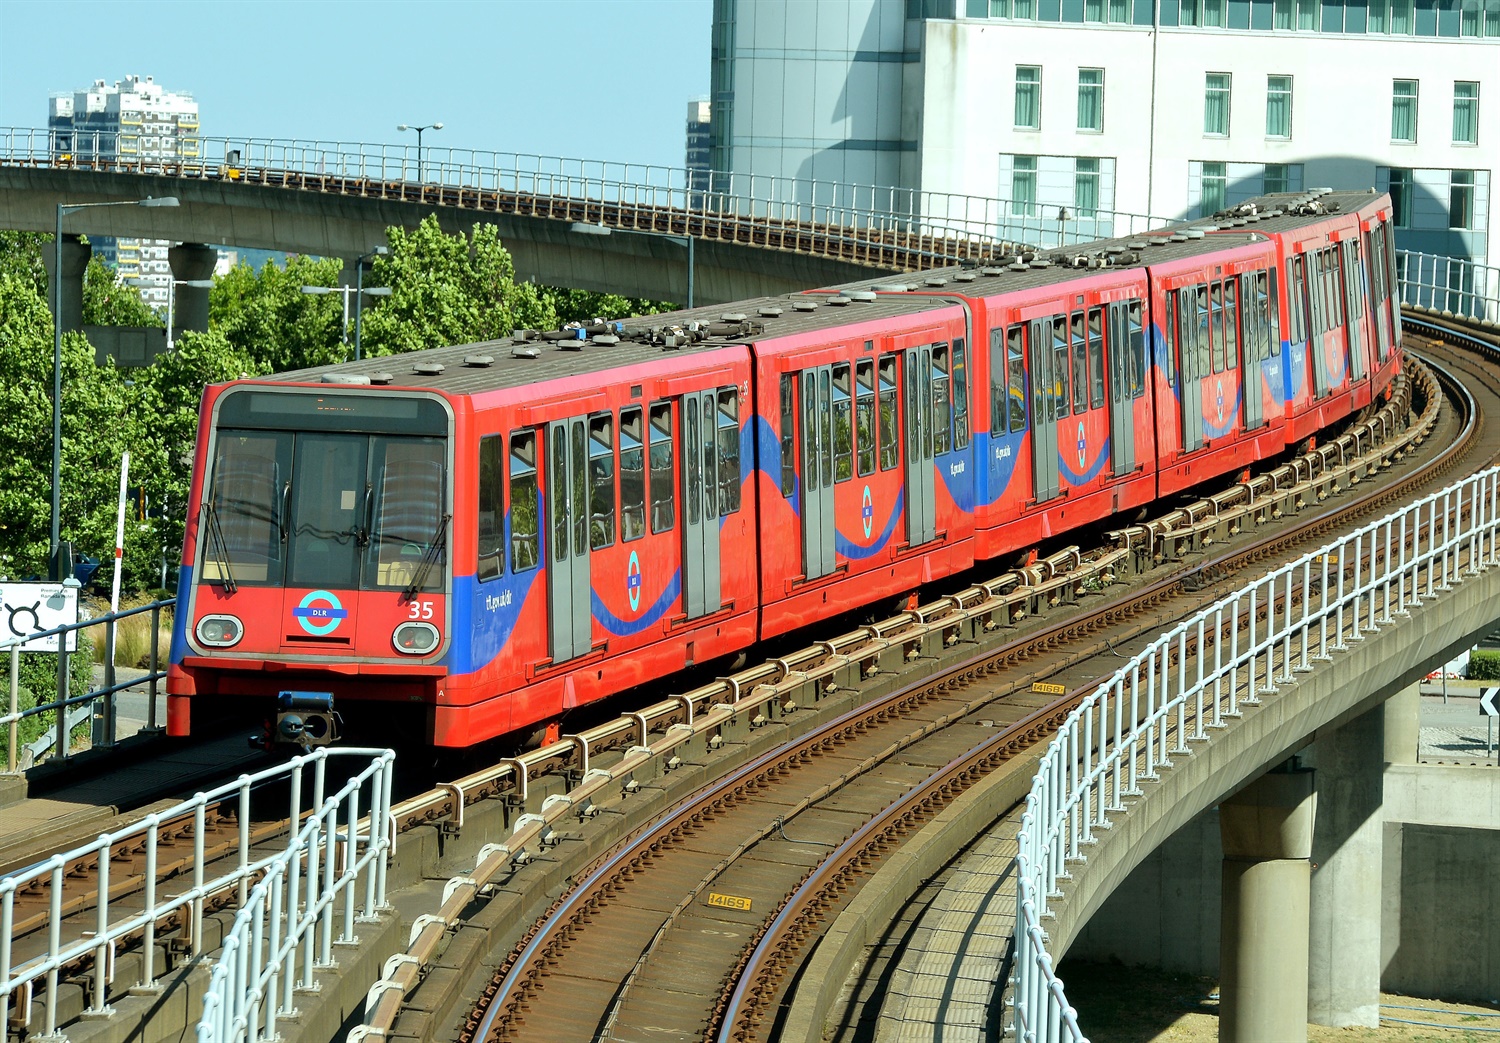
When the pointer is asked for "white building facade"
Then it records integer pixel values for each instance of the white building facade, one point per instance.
(136, 117)
(1179, 108)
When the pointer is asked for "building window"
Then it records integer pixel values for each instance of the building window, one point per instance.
(1278, 106)
(1307, 14)
(1085, 187)
(1119, 11)
(1214, 181)
(1023, 186)
(1091, 99)
(1278, 178)
(1216, 104)
(1465, 113)
(1188, 13)
(1401, 191)
(1404, 110)
(1469, 26)
(1461, 199)
(1283, 14)
(1093, 10)
(1028, 97)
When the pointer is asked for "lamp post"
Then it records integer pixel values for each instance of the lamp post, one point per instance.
(681, 240)
(425, 126)
(140, 283)
(345, 291)
(360, 292)
(63, 209)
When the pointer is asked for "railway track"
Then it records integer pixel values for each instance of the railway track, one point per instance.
(774, 853)
(616, 960)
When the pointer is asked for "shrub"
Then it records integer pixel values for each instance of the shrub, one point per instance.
(1484, 665)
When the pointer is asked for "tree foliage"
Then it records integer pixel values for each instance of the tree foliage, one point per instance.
(266, 317)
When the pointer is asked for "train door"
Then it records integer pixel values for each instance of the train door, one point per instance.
(1348, 254)
(1252, 301)
(1192, 342)
(1046, 399)
(1375, 274)
(817, 471)
(921, 473)
(1121, 384)
(1309, 269)
(700, 484)
(569, 594)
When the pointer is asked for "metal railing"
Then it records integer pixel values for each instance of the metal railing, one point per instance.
(1449, 284)
(470, 177)
(322, 864)
(1201, 672)
(64, 704)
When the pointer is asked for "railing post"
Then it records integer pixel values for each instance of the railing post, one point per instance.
(63, 691)
(155, 665)
(15, 700)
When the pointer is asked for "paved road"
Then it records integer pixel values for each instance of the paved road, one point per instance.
(1454, 731)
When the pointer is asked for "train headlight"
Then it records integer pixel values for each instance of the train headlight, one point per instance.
(220, 631)
(415, 638)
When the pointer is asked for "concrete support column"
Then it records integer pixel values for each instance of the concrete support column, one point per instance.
(191, 261)
(75, 261)
(1343, 986)
(1267, 832)
(1403, 725)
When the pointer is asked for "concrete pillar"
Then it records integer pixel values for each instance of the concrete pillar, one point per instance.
(75, 261)
(196, 262)
(1403, 716)
(1343, 986)
(1267, 832)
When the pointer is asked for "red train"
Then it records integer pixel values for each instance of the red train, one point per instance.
(467, 542)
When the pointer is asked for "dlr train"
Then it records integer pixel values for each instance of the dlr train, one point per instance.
(469, 542)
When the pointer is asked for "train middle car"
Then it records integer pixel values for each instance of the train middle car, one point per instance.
(469, 542)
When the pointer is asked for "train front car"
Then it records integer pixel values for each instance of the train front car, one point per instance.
(316, 563)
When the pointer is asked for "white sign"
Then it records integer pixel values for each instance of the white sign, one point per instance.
(1487, 702)
(34, 608)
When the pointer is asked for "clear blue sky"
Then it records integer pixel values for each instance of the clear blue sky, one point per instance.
(593, 79)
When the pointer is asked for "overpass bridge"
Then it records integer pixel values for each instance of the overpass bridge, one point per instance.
(752, 235)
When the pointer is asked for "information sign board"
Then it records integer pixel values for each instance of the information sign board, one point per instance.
(34, 608)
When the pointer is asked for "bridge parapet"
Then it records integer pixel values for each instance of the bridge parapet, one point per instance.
(1385, 600)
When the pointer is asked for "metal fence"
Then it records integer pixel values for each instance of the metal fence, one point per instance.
(68, 709)
(414, 174)
(1182, 685)
(1449, 284)
(311, 870)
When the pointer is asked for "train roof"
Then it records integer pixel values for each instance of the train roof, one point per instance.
(533, 356)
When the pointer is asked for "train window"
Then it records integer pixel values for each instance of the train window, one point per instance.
(249, 494)
(1216, 314)
(960, 396)
(710, 451)
(864, 416)
(1393, 281)
(1015, 394)
(890, 447)
(1272, 290)
(1096, 358)
(1231, 324)
(1137, 351)
(1354, 273)
(1316, 288)
(730, 476)
(942, 401)
(663, 472)
(601, 481)
(580, 466)
(1296, 318)
(788, 445)
(491, 506)
(1204, 322)
(409, 526)
(632, 475)
(825, 425)
(1171, 334)
(1059, 389)
(843, 424)
(692, 481)
(525, 535)
(1336, 284)
(557, 470)
(997, 382)
(1080, 364)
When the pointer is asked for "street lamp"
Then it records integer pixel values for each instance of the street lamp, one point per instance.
(346, 291)
(681, 240)
(63, 209)
(360, 292)
(172, 284)
(425, 126)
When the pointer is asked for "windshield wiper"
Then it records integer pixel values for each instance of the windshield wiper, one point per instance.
(218, 546)
(434, 549)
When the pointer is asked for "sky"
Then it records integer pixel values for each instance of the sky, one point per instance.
(584, 79)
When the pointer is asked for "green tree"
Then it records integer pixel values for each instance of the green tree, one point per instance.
(109, 302)
(583, 305)
(448, 289)
(266, 317)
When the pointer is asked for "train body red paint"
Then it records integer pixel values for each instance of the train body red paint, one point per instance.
(480, 539)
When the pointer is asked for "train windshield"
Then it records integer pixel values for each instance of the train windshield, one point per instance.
(326, 509)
